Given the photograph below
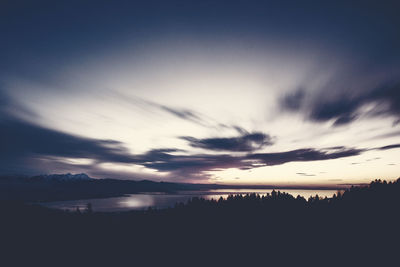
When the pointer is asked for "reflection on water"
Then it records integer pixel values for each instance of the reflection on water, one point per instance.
(137, 201)
(161, 200)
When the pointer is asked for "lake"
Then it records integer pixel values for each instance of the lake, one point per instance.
(162, 200)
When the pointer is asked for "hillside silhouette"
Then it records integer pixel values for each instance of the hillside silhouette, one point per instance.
(359, 225)
(58, 187)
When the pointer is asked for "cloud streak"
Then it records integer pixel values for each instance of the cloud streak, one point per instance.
(200, 164)
(304, 174)
(185, 114)
(393, 146)
(303, 155)
(19, 138)
(346, 106)
(247, 142)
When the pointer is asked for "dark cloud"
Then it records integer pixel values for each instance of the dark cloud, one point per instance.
(308, 154)
(20, 139)
(343, 108)
(187, 165)
(185, 114)
(247, 142)
(336, 147)
(304, 174)
(294, 100)
(198, 165)
(389, 147)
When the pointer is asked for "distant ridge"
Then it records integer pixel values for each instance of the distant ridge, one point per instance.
(57, 187)
(62, 177)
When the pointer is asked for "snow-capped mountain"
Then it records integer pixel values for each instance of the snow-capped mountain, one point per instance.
(63, 177)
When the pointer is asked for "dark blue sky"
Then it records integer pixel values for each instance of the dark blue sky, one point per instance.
(46, 32)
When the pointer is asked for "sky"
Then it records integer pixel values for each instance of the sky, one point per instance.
(235, 92)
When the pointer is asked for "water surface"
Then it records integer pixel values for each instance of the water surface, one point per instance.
(162, 200)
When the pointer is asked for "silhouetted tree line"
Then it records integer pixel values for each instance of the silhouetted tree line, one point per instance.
(358, 227)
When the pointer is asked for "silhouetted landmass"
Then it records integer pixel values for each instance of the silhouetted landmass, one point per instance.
(50, 188)
(356, 227)
(81, 186)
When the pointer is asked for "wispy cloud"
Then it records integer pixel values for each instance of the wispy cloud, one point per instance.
(390, 134)
(185, 114)
(372, 159)
(304, 174)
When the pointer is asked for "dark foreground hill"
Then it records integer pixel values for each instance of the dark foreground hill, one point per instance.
(359, 227)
